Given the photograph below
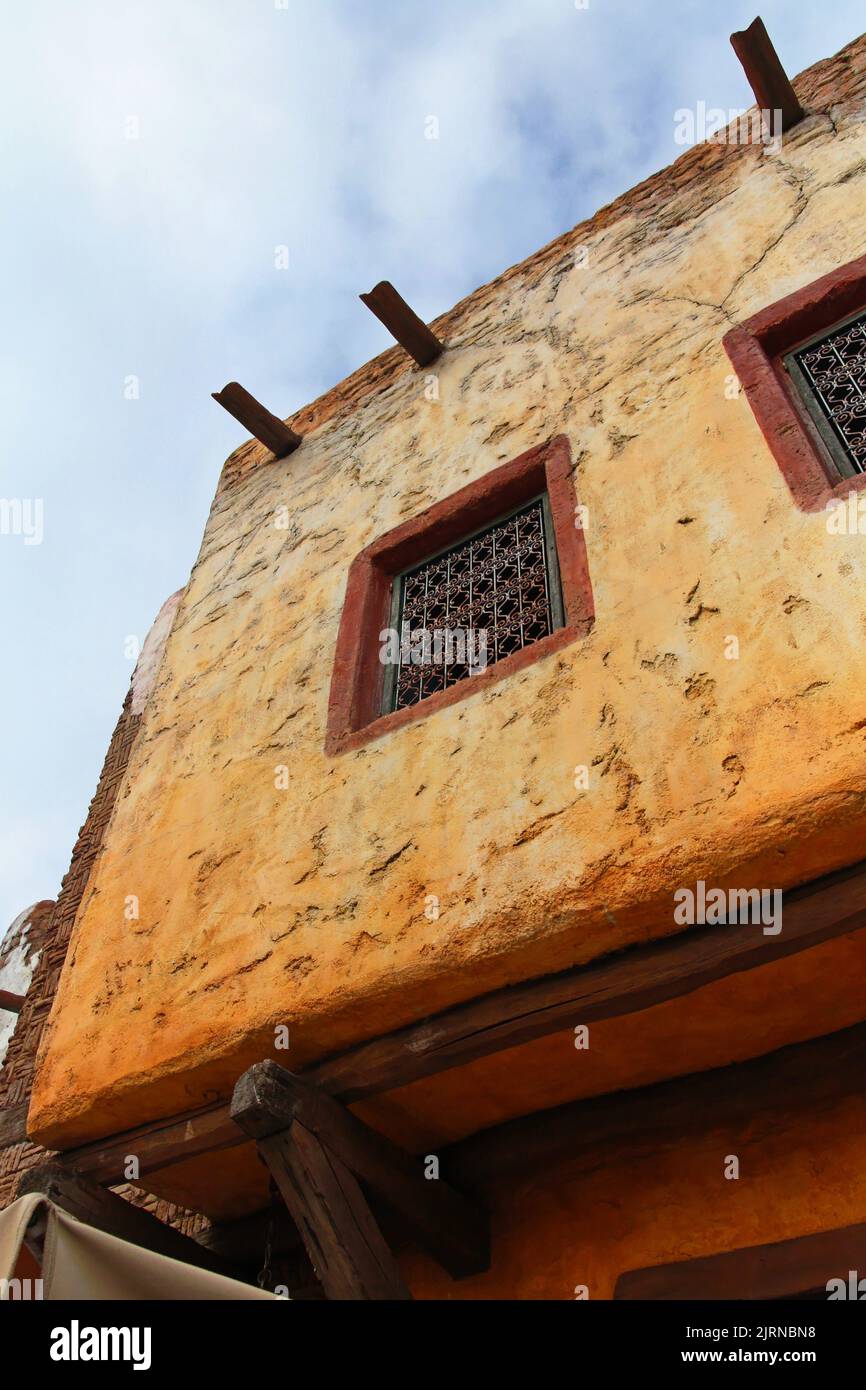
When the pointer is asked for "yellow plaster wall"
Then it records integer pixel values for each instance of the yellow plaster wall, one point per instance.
(305, 906)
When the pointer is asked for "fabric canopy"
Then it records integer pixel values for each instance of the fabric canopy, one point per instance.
(80, 1262)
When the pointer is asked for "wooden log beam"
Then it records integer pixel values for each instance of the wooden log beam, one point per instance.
(346, 1248)
(96, 1206)
(621, 983)
(783, 1269)
(269, 1099)
(767, 78)
(802, 1077)
(268, 429)
(805, 1077)
(12, 1003)
(403, 323)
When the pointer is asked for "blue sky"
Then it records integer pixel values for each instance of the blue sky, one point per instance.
(264, 123)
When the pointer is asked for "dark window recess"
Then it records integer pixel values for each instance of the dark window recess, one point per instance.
(487, 597)
(829, 372)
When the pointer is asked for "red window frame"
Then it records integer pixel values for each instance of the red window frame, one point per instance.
(756, 348)
(354, 716)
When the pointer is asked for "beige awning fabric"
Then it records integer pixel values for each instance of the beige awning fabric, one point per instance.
(79, 1262)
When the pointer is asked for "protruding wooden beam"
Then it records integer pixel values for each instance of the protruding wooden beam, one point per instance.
(767, 78)
(269, 1099)
(346, 1248)
(265, 427)
(156, 1146)
(411, 332)
(97, 1206)
(12, 1003)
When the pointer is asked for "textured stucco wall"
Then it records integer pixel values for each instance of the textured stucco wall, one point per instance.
(305, 906)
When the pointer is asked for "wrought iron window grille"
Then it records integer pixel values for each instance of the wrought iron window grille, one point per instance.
(829, 374)
(492, 594)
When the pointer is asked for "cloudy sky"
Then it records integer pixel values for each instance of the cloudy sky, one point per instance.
(155, 153)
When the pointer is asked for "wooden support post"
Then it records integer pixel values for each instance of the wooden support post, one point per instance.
(265, 427)
(411, 332)
(448, 1225)
(344, 1243)
(767, 78)
(12, 1003)
(107, 1211)
(346, 1248)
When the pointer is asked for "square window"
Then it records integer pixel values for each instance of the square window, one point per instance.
(802, 365)
(494, 593)
(829, 371)
(472, 590)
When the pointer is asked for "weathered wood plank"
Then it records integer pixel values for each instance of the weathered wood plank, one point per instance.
(783, 1269)
(95, 1205)
(158, 1145)
(269, 1099)
(268, 429)
(767, 78)
(411, 332)
(345, 1246)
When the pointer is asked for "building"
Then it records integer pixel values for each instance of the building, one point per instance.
(482, 906)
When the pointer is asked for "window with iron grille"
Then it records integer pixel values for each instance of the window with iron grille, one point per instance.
(485, 598)
(829, 372)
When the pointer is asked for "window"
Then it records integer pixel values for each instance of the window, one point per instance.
(474, 589)
(802, 365)
(491, 595)
(829, 372)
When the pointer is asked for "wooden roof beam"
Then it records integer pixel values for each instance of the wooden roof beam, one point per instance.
(403, 323)
(767, 78)
(11, 1003)
(274, 433)
(801, 1266)
(158, 1145)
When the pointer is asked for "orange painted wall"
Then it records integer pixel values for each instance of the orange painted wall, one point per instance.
(585, 1222)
